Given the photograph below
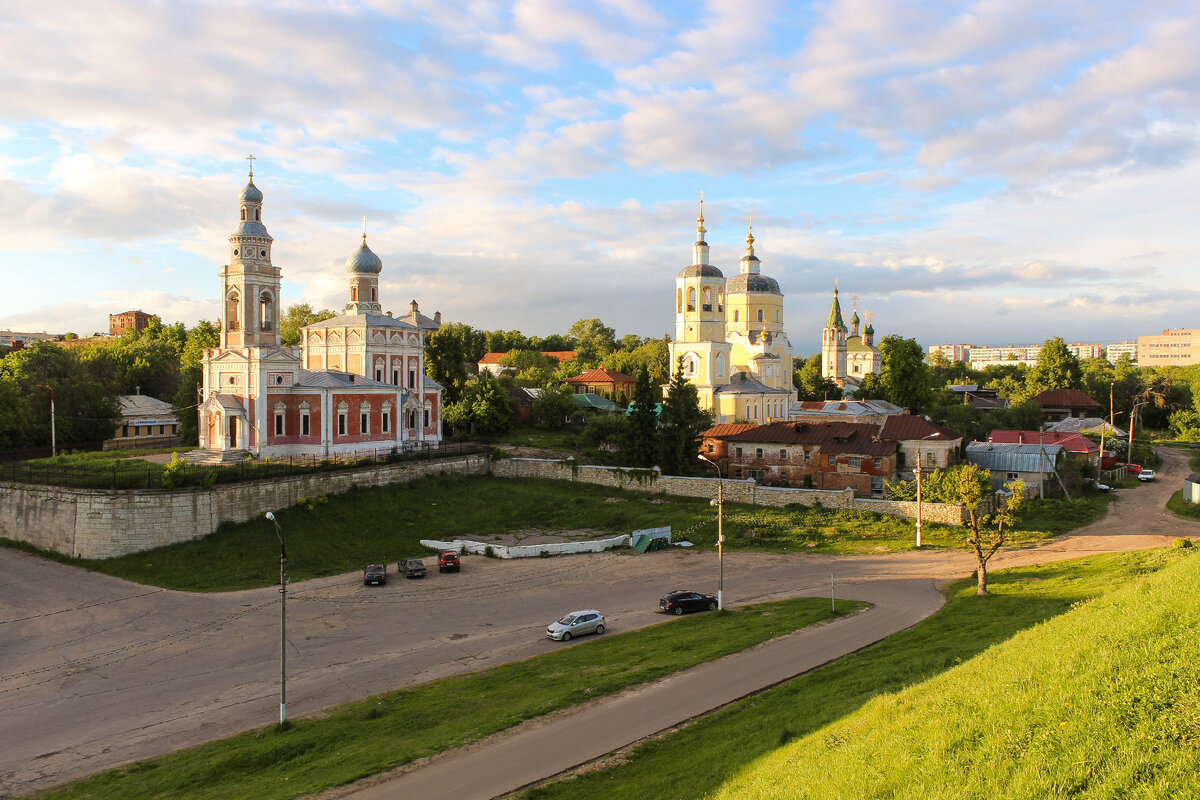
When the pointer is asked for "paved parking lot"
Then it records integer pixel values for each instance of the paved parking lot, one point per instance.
(98, 672)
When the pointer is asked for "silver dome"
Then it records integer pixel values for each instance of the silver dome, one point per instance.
(251, 194)
(364, 262)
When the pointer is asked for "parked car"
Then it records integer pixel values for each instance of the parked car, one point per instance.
(448, 562)
(577, 623)
(1146, 475)
(375, 575)
(681, 600)
(1096, 485)
(412, 568)
(1134, 468)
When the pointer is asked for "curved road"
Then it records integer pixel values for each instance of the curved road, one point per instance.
(98, 672)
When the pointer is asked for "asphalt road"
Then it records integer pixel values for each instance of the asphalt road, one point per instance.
(98, 672)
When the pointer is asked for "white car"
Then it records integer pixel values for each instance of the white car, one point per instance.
(576, 623)
(1146, 475)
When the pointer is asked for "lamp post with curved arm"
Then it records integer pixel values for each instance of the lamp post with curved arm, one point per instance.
(282, 621)
(720, 532)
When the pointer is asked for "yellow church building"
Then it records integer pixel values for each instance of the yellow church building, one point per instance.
(729, 335)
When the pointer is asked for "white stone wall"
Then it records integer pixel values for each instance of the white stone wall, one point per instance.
(529, 550)
(108, 523)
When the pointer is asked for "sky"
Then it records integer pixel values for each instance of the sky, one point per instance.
(988, 172)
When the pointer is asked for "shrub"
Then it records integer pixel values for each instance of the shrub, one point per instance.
(1182, 544)
(174, 473)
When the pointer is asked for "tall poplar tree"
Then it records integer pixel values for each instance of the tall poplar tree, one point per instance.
(641, 438)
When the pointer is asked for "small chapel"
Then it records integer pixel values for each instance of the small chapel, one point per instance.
(848, 356)
(729, 337)
(356, 383)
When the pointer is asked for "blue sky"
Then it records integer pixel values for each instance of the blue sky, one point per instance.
(989, 172)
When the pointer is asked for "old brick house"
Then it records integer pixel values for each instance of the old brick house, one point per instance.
(820, 455)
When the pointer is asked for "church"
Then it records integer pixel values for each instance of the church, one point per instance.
(848, 356)
(729, 335)
(356, 383)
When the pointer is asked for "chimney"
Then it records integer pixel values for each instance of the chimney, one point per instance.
(437, 317)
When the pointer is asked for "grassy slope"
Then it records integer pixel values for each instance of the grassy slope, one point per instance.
(387, 731)
(1101, 702)
(700, 758)
(386, 523)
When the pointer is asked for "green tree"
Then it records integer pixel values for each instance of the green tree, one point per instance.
(296, 317)
(809, 383)
(554, 343)
(186, 399)
(905, 375)
(484, 408)
(682, 424)
(446, 358)
(1056, 368)
(554, 406)
(971, 486)
(652, 355)
(641, 437)
(593, 341)
(606, 431)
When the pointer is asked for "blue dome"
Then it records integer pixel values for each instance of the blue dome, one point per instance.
(364, 262)
(251, 194)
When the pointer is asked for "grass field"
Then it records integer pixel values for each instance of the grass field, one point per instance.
(723, 751)
(390, 730)
(342, 533)
(1177, 506)
(1101, 702)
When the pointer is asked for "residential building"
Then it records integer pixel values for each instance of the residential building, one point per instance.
(820, 455)
(357, 382)
(1036, 465)
(1074, 444)
(977, 396)
(145, 422)
(916, 439)
(491, 362)
(729, 337)
(128, 321)
(603, 381)
(1177, 347)
(1114, 351)
(953, 352)
(1058, 404)
(869, 411)
(983, 356)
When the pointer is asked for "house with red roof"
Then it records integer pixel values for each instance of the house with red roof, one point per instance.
(492, 362)
(820, 455)
(920, 441)
(603, 381)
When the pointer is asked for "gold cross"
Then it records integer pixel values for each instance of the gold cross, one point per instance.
(364, 222)
(250, 158)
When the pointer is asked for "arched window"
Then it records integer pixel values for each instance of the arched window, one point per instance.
(760, 315)
(265, 313)
(690, 363)
(374, 298)
(720, 365)
(691, 300)
(720, 299)
(232, 307)
(354, 294)
(258, 215)
(707, 299)
(243, 215)
(736, 315)
(778, 315)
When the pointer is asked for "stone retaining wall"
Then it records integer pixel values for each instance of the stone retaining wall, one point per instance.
(735, 490)
(105, 523)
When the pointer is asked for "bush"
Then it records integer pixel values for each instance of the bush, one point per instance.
(1182, 544)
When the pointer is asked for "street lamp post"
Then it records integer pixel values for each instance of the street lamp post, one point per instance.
(720, 533)
(53, 427)
(1132, 423)
(282, 621)
(930, 436)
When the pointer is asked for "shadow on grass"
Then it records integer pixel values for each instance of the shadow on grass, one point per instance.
(698, 759)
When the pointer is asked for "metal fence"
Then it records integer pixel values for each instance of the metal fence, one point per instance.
(138, 474)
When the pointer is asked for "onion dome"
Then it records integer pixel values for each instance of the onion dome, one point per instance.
(364, 262)
(251, 193)
(752, 283)
(870, 330)
(854, 319)
(700, 270)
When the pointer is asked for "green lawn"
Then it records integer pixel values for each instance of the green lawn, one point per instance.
(798, 731)
(1177, 506)
(342, 533)
(393, 729)
(1101, 702)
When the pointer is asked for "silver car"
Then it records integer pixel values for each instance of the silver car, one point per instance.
(576, 623)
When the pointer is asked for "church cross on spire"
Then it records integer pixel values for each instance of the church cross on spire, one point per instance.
(250, 158)
(364, 222)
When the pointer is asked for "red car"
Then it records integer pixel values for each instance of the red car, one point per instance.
(1134, 468)
(448, 561)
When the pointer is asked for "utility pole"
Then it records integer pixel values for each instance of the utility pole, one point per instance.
(282, 622)
(720, 533)
(53, 427)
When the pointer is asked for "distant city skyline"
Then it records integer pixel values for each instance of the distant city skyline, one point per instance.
(989, 173)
